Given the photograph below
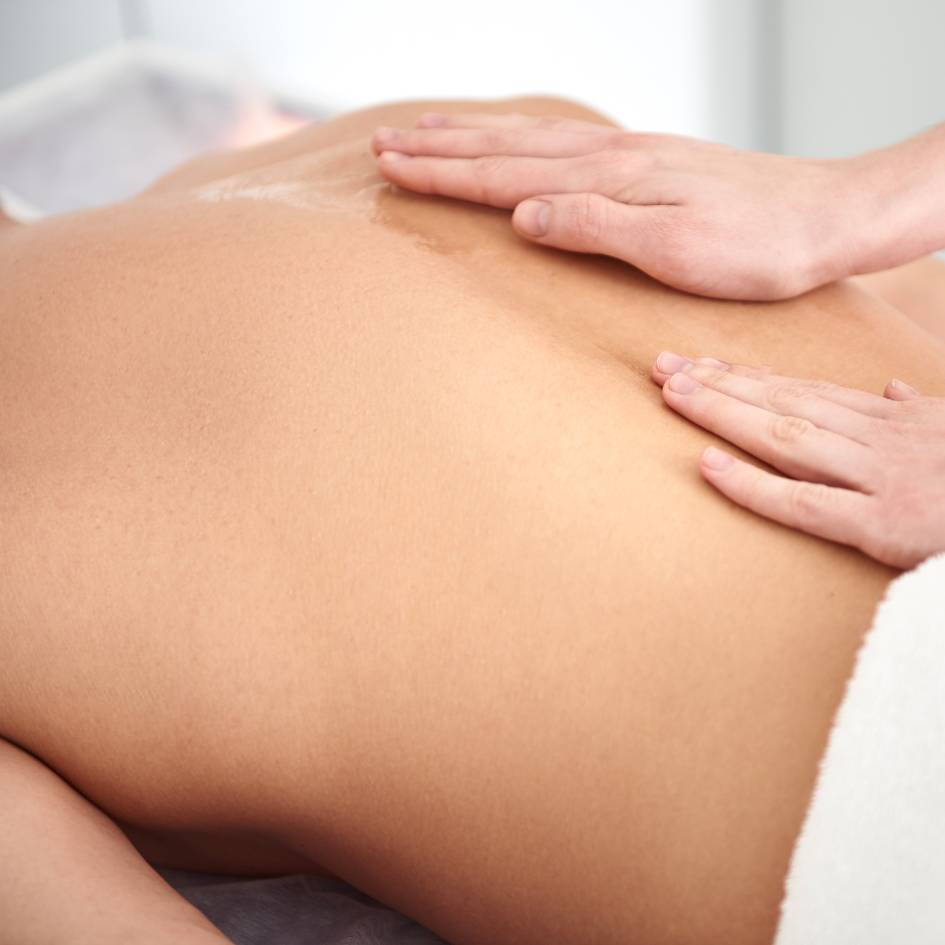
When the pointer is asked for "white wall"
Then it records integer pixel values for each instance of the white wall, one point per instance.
(38, 35)
(858, 74)
(687, 66)
(825, 77)
(645, 63)
(741, 52)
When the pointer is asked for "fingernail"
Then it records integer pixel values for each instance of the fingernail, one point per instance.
(669, 363)
(716, 459)
(533, 216)
(431, 120)
(903, 386)
(390, 156)
(683, 384)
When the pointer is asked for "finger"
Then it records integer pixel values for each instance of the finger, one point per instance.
(591, 223)
(899, 390)
(837, 514)
(496, 180)
(861, 401)
(792, 444)
(668, 363)
(513, 120)
(478, 142)
(788, 398)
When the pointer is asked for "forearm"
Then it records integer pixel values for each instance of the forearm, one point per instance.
(901, 196)
(69, 875)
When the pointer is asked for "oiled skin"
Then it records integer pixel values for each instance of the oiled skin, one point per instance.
(341, 527)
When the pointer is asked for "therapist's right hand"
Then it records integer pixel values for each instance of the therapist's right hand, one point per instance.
(859, 469)
(701, 217)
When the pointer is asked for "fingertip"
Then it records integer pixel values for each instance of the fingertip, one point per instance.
(657, 376)
(682, 383)
(668, 363)
(669, 394)
(714, 460)
(392, 157)
(899, 390)
(392, 164)
(532, 218)
(382, 138)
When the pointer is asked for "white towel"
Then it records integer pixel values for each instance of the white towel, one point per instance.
(869, 866)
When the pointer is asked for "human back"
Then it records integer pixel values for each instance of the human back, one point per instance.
(364, 517)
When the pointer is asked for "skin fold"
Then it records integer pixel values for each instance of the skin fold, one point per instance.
(341, 528)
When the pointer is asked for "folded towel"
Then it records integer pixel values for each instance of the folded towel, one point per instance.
(869, 866)
(104, 128)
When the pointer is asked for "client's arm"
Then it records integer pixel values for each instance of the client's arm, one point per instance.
(865, 470)
(68, 874)
(699, 216)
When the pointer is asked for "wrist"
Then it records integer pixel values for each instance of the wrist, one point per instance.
(897, 195)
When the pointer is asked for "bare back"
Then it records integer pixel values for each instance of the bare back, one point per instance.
(341, 526)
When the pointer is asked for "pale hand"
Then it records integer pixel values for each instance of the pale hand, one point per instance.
(863, 470)
(702, 217)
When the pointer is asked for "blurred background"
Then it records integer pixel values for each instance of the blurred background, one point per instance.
(812, 77)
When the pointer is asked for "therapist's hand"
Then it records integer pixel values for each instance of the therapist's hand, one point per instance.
(701, 217)
(860, 469)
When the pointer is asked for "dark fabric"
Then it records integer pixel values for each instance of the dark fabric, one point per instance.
(296, 910)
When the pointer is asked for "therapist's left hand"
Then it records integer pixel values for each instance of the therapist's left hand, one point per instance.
(860, 469)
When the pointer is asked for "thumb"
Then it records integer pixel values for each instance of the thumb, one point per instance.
(586, 223)
(899, 390)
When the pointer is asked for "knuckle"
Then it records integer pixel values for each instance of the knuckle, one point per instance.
(811, 389)
(747, 370)
(710, 375)
(780, 396)
(587, 221)
(490, 165)
(789, 429)
(492, 140)
(713, 376)
(889, 431)
(610, 161)
(489, 170)
(808, 499)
